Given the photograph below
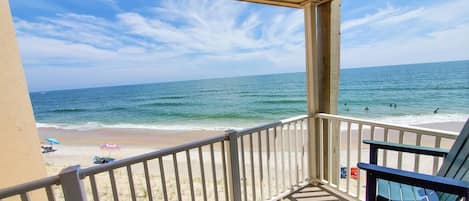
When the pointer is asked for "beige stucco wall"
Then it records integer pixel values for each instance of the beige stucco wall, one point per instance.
(20, 157)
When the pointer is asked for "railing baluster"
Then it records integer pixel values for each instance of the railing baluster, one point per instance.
(147, 180)
(50, 193)
(276, 161)
(295, 145)
(113, 185)
(189, 173)
(399, 154)
(321, 150)
(202, 173)
(418, 142)
(131, 183)
(360, 136)
(176, 175)
(372, 132)
(94, 189)
(349, 144)
(268, 163)
(385, 152)
(329, 153)
(253, 178)
(243, 169)
(214, 172)
(337, 151)
(225, 179)
(436, 160)
(282, 157)
(302, 142)
(261, 175)
(163, 179)
(25, 196)
(290, 182)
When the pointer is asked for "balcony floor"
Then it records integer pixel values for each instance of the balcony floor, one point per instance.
(312, 193)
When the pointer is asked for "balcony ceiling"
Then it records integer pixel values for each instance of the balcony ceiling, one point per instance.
(286, 3)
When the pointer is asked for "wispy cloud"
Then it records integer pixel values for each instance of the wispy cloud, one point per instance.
(200, 34)
(192, 39)
(369, 18)
(396, 35)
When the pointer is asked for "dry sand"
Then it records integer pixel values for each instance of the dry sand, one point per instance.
(79, 147)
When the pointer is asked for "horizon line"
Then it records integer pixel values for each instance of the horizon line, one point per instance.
(238, 76)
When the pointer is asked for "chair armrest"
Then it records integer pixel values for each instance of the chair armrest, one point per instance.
(407, 148)
(442, 184)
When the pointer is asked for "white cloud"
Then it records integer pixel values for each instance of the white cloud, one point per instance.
(369, 18)
(224, 38)
(450, 44)
(150, 46)
(409, 15)
(391, 35)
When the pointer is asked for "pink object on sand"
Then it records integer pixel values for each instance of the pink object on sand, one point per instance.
(110, 146)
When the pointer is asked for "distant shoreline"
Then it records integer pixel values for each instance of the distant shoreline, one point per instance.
(423, 120)
(163, 138)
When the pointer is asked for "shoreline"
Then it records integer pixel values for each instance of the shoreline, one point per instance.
(159, 138)
(126, 136)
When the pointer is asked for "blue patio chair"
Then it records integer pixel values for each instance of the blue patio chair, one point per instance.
(450, 183)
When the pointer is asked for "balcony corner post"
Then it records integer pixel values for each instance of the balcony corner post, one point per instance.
(233, 166)
(322, 43)
(72, 185)
(311, 86)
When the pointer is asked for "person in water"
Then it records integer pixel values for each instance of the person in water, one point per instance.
(436, 111)
(366, 108)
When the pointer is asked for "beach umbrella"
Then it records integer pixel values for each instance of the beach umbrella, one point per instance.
(52, 141)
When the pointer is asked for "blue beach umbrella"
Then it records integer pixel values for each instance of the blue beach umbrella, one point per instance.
(52, 141)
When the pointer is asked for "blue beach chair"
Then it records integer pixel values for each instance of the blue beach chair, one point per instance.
(450, 183)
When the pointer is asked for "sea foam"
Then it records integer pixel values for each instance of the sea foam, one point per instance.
(401, 120)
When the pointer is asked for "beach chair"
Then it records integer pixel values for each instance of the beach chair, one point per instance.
(47, 149)
(450, 183)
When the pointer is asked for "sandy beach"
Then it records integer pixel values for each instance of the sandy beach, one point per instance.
(80, 146)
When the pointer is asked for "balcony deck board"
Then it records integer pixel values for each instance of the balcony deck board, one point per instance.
(312, 193)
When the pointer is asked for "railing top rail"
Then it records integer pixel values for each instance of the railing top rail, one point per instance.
(149, 156)
(270, 125)
(412, 129)
(292, 119)
(29, 186)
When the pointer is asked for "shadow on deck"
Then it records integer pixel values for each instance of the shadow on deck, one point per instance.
(312, 193)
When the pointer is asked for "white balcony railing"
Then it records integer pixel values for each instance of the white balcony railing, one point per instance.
(262, 163)
(346, 149)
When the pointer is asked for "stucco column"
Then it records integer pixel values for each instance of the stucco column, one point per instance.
(20, 156)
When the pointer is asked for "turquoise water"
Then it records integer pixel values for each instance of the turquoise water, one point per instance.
(417, 90)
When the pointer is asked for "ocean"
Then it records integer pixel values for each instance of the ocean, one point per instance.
(240, 102)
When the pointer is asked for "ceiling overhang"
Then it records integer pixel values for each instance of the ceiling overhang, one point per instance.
(287, 3)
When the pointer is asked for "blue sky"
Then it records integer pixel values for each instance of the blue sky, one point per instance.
(75, 44)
